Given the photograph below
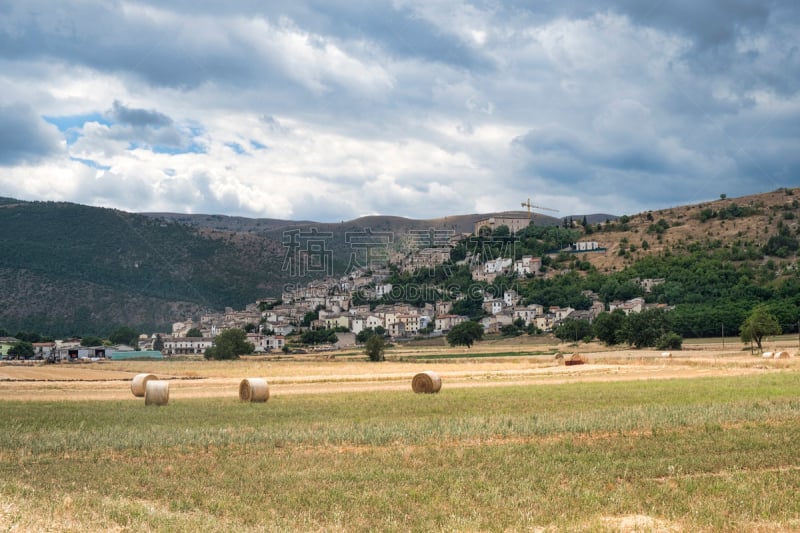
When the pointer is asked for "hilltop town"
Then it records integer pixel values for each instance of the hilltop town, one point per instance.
(350, 304)
(422, 283)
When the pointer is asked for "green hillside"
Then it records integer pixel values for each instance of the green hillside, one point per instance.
(71, 269)
(68, 268)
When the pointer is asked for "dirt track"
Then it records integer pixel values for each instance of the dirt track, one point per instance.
(196, 379)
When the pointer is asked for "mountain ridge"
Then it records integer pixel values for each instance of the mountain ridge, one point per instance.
(74, 269)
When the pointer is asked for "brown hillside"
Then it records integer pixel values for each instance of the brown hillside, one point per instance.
(763, 214)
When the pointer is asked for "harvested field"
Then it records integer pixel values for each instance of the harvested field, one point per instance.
(497, 365)
(629, 441)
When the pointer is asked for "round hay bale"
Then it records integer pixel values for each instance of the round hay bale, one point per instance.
(139, 382)
(156, 392)
(426, 382)
(574, 359)
(767, 355)
(254, 390)
(782, 355)
(666, 354)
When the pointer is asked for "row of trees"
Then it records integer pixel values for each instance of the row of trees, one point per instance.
(656, 328)
(650, 328)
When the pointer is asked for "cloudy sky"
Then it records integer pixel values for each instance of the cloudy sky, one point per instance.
(328, 110)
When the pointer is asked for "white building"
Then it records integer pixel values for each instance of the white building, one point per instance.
(529, 313)
(527, 266)
(187, 345)
(447, 322)
(496, 266)
(585, 246)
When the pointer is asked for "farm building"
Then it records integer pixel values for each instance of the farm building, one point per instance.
(142, 354)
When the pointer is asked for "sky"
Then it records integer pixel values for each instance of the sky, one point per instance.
(331, 110)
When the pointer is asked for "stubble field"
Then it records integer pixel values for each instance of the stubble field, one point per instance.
(632, 441)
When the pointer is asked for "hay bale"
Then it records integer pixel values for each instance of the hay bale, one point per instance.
(426, 382)
(139, 382)
(156, 392)
(574, 359)
(782, 355)
(254, 390)
(767, 355)
(666, 354)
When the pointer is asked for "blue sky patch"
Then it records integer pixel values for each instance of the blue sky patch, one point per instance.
(91, 164)
(68, 122)
(236, 147)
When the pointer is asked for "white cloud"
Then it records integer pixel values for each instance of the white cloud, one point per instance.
(407, 108)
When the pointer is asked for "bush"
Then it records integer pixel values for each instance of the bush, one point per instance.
(229, 344)
(465, 334)
(669, 341)
(375, 348)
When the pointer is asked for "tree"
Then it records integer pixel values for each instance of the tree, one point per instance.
(91, 340)
(608, 325)
(469, 306)
(158, 343)
(365, 334)
(375, 348)
(28, 337)
(230, 344)
(124, 335)
(501, 231)
(194, 332)
(573, 330)
(759, 324)
(21, 350)
(319, 336)
(510, 330)
(645, 328)
(465, 334)
(669, 341)
(309, 317)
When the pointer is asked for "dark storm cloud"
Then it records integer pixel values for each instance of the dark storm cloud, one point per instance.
(169, 49)
(710, 23)
(108, 37)
(401, 34)
(392, 106)
(25, 137)
(139, 117)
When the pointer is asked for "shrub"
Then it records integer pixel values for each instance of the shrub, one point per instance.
(375, 347)
(229, 344)
(669, 341)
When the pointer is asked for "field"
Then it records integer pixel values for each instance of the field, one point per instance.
(705, 440)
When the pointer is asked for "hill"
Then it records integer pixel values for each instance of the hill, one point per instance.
(73, 269)
(745, 225)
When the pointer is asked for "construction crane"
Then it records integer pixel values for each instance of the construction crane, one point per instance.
(529, 205)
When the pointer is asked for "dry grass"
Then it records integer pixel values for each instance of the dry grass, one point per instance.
(703, 454)
(520, 364)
